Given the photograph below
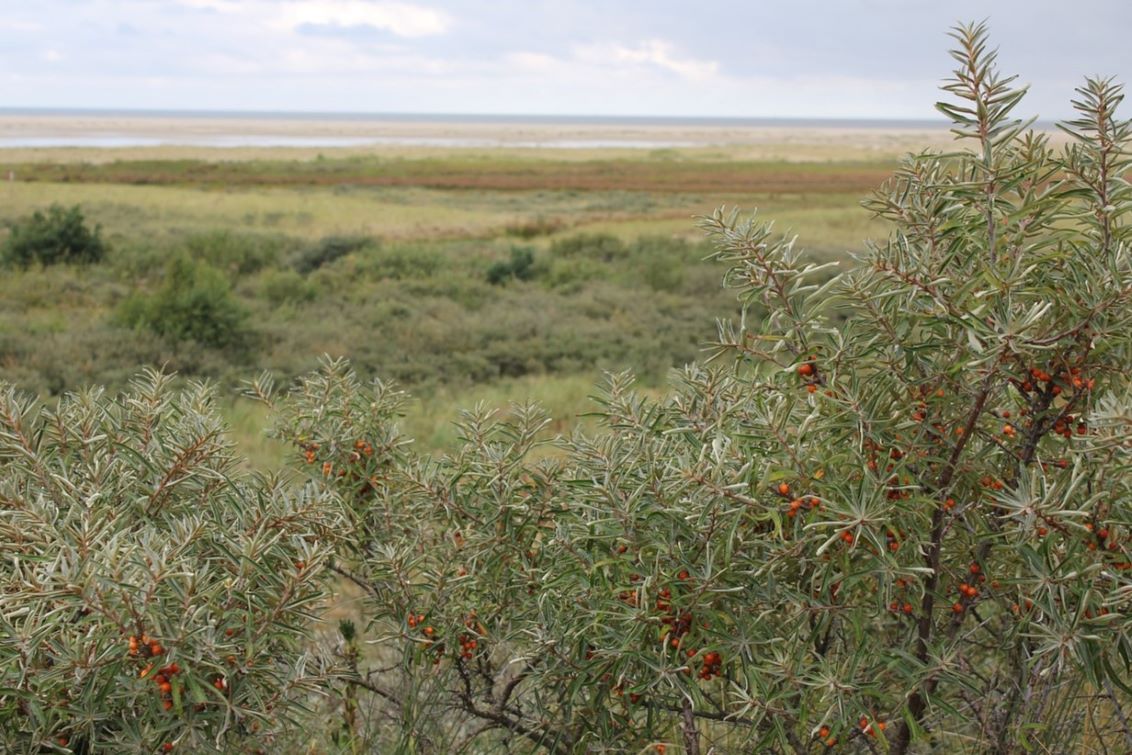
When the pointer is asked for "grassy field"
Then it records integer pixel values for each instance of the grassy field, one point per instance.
(465, 276)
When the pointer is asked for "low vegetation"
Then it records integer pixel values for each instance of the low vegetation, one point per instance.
(59, 236)
(891, 513)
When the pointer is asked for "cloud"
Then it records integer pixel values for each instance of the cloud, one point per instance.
(402, 19)
(656, 53)
(14, 24)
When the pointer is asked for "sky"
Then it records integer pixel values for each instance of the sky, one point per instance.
(710, 58)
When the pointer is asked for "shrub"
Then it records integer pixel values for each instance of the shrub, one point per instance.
(194, 303)
(287, 287)
(597, 246)
(533, 227)
(154, 595)
(60, 236)
(908, 532)
(234, 253)
(520, 266)
(328, 250)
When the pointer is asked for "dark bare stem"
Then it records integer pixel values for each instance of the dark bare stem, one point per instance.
(690, 731)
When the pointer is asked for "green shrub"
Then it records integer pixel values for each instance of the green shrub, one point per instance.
(60, 236)
(521, 266)
(328, 250)
(403, 262)
(281, 287)
(234, 253)
(154, 595)
(194, 303)
(597, 246)
(910, 532)
(534, 227)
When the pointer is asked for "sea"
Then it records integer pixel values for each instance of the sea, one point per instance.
(244, 134)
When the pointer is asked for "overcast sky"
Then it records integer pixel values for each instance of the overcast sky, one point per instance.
(748, 58)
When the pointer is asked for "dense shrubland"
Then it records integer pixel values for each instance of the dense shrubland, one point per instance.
(891, 515)
(909, 532)
(211, 305)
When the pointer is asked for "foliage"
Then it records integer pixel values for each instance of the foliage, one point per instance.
(59, 236)
(907, 533)
(328, 250)
(154, 596)
(194, 304)
(234, 253)
(287, 287)
(520, 267)
(598, 246)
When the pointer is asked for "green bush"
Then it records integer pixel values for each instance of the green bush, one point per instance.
(910, 531)
(597, 246)
(194, 303)
(235, 253)
(154, 595)
(281, 287)
(328, 250)
(60, 236)
(521, 266)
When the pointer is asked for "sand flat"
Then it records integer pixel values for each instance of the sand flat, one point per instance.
(107, 137)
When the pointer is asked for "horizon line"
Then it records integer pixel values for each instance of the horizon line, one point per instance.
(483, 116)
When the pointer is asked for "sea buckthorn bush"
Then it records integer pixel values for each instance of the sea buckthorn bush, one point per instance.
(153, 596)
(892, 515)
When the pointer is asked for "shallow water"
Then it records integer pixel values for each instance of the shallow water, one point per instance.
(257, 140)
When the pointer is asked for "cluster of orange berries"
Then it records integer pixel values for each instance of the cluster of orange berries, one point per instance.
(808, 371)
(678, 627)
(825, 735)
(629, 597)
(416, 621)
(145, 647)
(809, 503)
(796, 503)
(967, 590)
(712, 665)
(361, 449)
(469, 641)
(1070, 377)
(871, 728)
(163, 680)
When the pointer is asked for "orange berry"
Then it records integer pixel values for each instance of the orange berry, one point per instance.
(957, 607)
(805, 369)
(167, 705)
(823, 732)
(783, 488)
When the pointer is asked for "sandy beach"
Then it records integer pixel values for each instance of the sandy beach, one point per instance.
(105, 137)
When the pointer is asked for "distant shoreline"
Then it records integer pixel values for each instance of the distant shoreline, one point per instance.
(485, 118)
(111, 130)
(65, 135)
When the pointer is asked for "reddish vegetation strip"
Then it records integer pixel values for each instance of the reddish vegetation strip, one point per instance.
(597, 175)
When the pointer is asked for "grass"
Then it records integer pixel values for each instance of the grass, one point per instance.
(385, 259)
